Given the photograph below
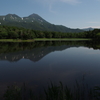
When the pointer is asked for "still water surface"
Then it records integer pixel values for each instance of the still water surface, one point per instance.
(38, 63)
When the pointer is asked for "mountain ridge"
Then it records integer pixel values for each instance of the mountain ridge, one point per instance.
(34, 21)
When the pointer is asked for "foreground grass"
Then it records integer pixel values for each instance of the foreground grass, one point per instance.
(53, 92)
(43, 39)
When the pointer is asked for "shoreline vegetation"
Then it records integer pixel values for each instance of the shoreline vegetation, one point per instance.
(44, 39)
(60, 39)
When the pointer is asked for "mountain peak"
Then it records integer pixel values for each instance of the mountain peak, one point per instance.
(34, 15)
(37, 18)
(14, 15)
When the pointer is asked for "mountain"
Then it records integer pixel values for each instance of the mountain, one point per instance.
(88, 29)
(35, 22)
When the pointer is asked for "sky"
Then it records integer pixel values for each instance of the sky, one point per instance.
(70, 13)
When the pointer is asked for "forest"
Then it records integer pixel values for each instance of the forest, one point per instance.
(12, 32)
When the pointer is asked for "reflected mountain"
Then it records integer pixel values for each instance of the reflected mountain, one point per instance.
(35, 54)
(35, 51)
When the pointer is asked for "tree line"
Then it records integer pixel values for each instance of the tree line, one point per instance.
(12, 32)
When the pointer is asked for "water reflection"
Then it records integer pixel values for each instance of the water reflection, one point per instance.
(37, 50)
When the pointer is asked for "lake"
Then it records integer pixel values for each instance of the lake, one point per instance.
(38, 63)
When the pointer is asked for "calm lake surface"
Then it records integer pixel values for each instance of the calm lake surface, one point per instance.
(39, 63)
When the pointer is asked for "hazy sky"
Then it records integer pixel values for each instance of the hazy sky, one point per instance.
(70, 13)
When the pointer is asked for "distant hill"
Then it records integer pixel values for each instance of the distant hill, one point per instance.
(88, 29)
(35, 22)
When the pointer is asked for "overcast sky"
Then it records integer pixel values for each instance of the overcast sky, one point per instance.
(70, 13)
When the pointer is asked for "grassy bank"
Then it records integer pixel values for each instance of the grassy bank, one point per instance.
(43, 39)
(15, 40)
(60, 39)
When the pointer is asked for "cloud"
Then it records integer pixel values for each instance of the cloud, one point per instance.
(51, 3)
(51, 9)
(95, 26)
